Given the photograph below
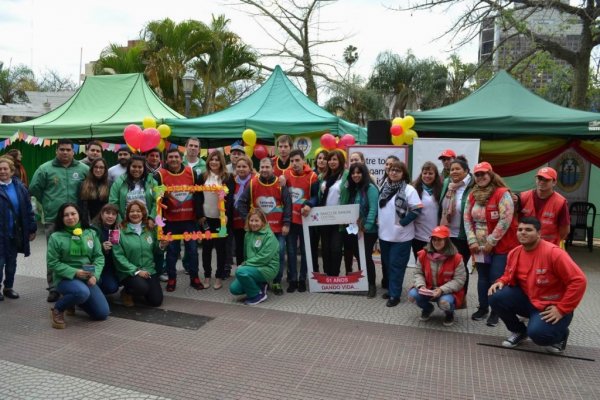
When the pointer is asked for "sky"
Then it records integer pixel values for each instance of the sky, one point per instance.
(55, 35)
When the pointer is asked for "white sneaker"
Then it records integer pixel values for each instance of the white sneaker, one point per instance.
(164, 277)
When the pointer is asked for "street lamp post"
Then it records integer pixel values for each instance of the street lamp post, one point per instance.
(188, 86)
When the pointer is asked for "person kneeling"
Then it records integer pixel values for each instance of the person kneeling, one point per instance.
(75, 259)
(134, 258)
(261, 249)
(439, 277)
(541, 282)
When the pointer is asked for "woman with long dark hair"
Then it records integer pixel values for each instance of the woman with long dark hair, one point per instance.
(94, 190)
(429, 187)
(108, 231)
(243, 174)
(362, 191)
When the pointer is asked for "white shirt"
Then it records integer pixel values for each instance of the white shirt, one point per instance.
(211, 199)
(428, 218)
(138, 193)
(458, 212)
(114, 172)
(333, 195)
(388, 229)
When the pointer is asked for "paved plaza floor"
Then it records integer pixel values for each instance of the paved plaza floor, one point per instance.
(295, 346)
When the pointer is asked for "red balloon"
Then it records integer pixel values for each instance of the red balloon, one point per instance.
(328, 141)
(347, 140)
(150, 139)
(133, 136)
(260, 151)
(396, 130)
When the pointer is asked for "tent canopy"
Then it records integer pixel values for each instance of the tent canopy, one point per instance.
(101, 108)
(502, 108)
(277, 107)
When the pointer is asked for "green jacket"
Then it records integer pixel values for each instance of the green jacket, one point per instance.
(135, 252)
(119, 190)
(53, 185)
(63, 265)
(261, 250)
(200, 167)
(368, 200)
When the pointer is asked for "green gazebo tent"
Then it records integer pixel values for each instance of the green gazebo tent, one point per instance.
(277, 107)
(101, 108)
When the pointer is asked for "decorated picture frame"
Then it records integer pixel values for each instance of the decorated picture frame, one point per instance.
(196, 235)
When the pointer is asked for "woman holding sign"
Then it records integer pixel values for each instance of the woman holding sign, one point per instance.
(399, 206)
(76, 260)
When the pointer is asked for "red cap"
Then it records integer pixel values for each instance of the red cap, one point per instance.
(482, 167)
(441, 232)
(548, 173)
(447, 154)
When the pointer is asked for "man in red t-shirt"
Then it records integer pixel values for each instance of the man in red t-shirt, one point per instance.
(541, 282)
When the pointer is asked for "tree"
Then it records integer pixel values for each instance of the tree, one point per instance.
(14, 82)
(459, 76)
(51, 81)
(295, 18)
(116, 59)
(512, 15)
(354, 101)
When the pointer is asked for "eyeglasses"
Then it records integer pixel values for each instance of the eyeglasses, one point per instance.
(395, 170)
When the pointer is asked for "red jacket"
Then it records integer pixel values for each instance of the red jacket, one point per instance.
(548, 216)
(299, 189)
(553, 278)
(445, 274)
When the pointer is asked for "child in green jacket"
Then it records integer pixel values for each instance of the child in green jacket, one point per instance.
(261, 250)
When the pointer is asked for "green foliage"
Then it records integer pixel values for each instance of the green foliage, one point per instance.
(14, 82)
(355, 102)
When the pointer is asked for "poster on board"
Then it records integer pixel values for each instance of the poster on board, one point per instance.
(375, 156)
(334, 215)
(429, 149)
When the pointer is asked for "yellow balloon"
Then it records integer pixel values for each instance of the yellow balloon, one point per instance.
(249, 150)
(398, 140)
(149, 122)
(409, 136)
(408, 122)
(165, 131)
(133, 149)
(397, 121)
(161, 145)
(249, 137)
(318, 150)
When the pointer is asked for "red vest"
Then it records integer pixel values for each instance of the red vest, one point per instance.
(548, 216)
(492, 216)
(300, 190)
(238, 221)
(268, 199)
(180, 204)
(445, 274)
(276, 170)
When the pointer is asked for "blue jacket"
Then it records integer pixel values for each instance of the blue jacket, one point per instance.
(25, 217)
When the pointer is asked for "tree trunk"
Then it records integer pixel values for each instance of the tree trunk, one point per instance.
(581, 79)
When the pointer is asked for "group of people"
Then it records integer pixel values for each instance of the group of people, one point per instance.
(100, 228)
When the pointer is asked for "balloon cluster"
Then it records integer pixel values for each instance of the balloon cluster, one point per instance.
(251, 148)
(150, 137)
(330, 142)
(401, 130)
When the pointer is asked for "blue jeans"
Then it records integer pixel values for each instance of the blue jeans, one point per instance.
(281, 240)
(292, 252)
(8, 266)
(396, 256)
(247, 281)
(487, 274)
(108, 283)
(445, 302)
(174, 248)
(77, 293)
(510, 301)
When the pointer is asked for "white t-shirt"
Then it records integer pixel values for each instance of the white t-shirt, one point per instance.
(458, 214)
(388, 229)
(428, 218)
(114, 172)
(138, 193)
(211, 199)
(333, 195)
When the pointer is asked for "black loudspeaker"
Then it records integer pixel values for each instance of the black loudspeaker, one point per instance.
(378, 132)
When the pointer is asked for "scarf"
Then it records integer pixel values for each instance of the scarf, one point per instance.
(397, 189)
(437, 257)
(242, 186)
(137, 228)
(428, 189)
(449, 202)
(76, 246)
(482, 195)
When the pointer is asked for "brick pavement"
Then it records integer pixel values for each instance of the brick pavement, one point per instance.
(300, 346)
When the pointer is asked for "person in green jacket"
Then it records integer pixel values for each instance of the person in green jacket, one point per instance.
(76, 261)
(54, 183)
(261, 249)
(134, 257)
(135, 184)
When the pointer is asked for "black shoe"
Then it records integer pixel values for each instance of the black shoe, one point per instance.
(425, 314)
(492, 319)
(292, 286)
(372, 291)
(386, 295)
(480, 314)
(10, 293)
(514, 340)
(1, 297)
(449, 318)
(392, 302)
(559, 347)
(53, 296)
(277, 290)
(301, 286)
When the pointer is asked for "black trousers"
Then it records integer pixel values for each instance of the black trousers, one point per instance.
(238, 236)
(351, 243)
(331, 241)
(217, 244)
(149, 289)
(463, 249)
